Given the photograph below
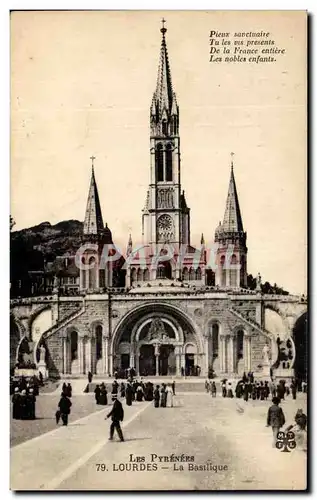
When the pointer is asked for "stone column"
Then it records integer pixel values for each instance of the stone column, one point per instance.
(224, 353)
(137, 364)
(157, 356)
(88, 355)
(111, 364)
(65, 355)
(81, 355)
(248, 353)
(230, 354)
(132, 360)
(178, 361)
(183, 363)
(206, 353)
(105, 355)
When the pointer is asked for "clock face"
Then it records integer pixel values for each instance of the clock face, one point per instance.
(165, 223)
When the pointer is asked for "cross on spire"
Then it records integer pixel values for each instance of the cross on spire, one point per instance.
(232, 155)
(163, 29)
(92, 160)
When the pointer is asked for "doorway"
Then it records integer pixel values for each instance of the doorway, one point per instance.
(189, 364)
(147, 360)
(125, 361)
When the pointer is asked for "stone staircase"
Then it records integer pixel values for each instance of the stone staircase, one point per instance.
(64, 322)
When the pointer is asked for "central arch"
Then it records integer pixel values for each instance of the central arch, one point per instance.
(155, 335)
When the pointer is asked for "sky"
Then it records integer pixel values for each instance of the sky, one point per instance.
(82, 84)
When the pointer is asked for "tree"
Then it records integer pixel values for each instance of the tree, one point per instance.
(12, 222)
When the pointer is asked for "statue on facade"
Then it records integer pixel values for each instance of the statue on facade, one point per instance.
(156, 330)
(42, 354)
(266, 354)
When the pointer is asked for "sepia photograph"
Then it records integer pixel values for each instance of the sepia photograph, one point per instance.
(158, 250)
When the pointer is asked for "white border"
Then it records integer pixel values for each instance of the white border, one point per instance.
(5, 6)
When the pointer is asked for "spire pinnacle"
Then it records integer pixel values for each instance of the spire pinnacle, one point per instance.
(232, 221)
(202, 239)
(232, 155)
(164, 90)
(163, 29)
(93, 223)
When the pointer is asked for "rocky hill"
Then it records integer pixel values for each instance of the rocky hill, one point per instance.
(32, 246)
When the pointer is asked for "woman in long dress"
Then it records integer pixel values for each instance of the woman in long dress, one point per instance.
(169, 396)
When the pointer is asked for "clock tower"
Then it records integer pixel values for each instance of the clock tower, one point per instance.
(165, 217)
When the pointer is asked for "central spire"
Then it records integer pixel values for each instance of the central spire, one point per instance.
(163, 95)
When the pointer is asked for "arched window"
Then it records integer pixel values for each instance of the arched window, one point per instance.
(169, 163)
(164, 270)
(98, 342)
(192, 274)
(240, 336)
(215, 340)
(159, 163)
(92, 273)
(146, 276)
(185, 274)
(233, 272)
(74, 345)
(223, 270)
(198, 274)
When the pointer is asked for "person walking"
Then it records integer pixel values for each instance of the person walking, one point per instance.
(97, 394)
(89, 377)
(224, 388)
(293, 389)
(173, 387)
(275, 418)
(117, 415)
(129, 394)
(163, 396)
(64, 408)
(169, 396)
(157, 397)
(16, 410)
(213, 389)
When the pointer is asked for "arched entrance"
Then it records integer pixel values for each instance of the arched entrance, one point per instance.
(147, 360)
(300, 332)
(190, 360)
(154, 336)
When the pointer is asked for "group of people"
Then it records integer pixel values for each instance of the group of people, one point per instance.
(136, 390)
(23, 404)
(249, 388)
(163, 396)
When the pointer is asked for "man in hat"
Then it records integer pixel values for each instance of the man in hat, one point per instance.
(64, 408)
(275, 418)
(16, 411)
(117, 415)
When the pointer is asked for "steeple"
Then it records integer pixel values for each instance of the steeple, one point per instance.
(164, 91)
(232, 221)
(93, 223)
(164, 108)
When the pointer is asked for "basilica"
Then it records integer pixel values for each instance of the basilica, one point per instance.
(168, 308)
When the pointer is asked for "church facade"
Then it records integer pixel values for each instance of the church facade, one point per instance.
(166, 308)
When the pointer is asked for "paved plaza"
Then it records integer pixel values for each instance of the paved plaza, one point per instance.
(226, 436)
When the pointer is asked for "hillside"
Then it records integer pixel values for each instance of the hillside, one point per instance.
(32, 246)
